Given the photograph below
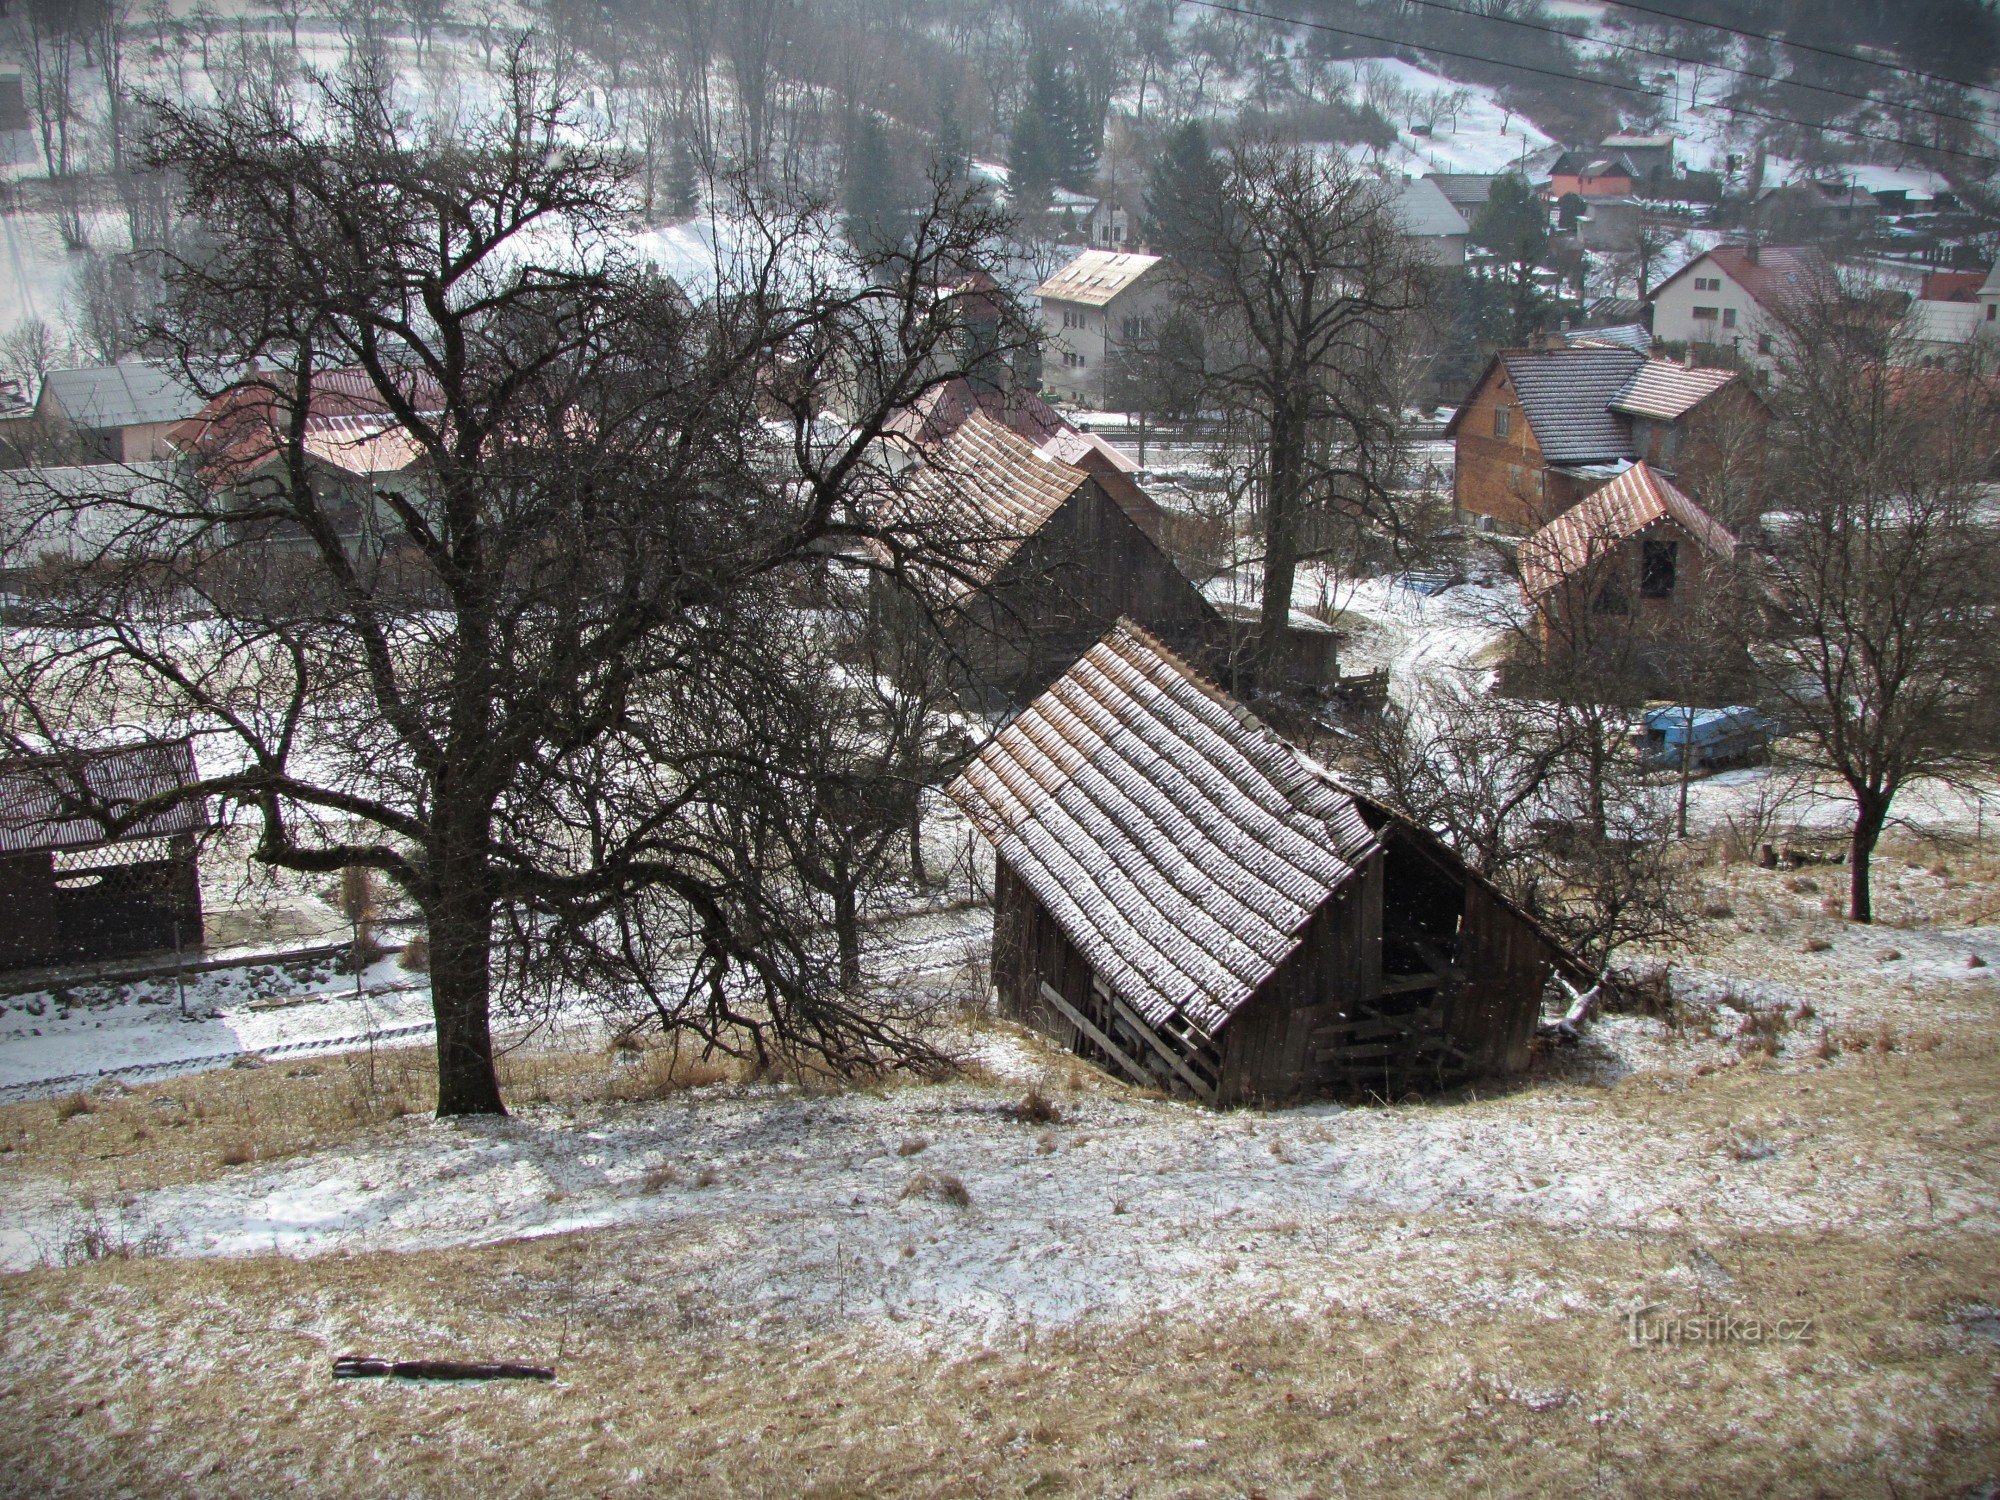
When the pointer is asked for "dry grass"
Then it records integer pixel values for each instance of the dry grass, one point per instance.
(1892, 1395)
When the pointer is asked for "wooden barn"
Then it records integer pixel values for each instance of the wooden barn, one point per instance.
(1185, 899)
(1030, 559)
(73, 889)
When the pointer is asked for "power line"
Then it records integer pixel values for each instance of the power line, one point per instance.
(1824, 88)
(1852, 132)
(1779, 41)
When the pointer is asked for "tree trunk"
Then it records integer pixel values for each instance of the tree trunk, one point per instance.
(847, 932)
(461, 935)
(1871, 812)
(1281, 548)
(919, 876)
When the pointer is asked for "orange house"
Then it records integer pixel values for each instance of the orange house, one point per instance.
(1590, 177)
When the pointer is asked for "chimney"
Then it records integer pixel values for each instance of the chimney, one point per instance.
(1688, 358)
(1750, 252)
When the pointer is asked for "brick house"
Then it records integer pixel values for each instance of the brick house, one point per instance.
(1544, 427)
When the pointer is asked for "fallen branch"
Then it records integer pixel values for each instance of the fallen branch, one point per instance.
(1570, 1026)
(352, 1367)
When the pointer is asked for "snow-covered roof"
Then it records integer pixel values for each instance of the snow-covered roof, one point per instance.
(1944, 322)
(1179, 843)
(126, 395)
(47, 802)
(1424, 212)
(977, 497)
(1096, 276)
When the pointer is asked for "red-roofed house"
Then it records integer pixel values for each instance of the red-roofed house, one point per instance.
(1636, 549)
(1731, 296)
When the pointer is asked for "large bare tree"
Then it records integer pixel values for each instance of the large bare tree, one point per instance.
(1302, 292)
(1882, 651)
(539, 681)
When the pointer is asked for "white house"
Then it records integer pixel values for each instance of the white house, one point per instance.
(1102, 300)
(1731, 295)
(1429, 221)
(1940, 331)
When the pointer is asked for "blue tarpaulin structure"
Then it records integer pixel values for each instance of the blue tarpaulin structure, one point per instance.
(1707, 737)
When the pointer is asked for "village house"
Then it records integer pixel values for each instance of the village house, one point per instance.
(1651, 157)
(1955, 319)
(356, 449)
(110, 414)
(1636, 552)
(1465, 191)
(88, 869)
(1589, 175)
(1100, 302)
(1030, 559)
(1732, 295)
(1814, 209)
(1544, 427)
(1187, 901)
(1434, 228)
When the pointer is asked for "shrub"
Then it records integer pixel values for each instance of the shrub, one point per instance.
(74, 1105)
(942, 1187)
(911, 1145)
(1036, 1108)
(416, 955)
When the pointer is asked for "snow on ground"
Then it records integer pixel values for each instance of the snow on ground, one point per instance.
(782, 1204)
(1485, 136)
(1391, 624)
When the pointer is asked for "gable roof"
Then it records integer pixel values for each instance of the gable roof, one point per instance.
(1952, 286)
(1096, 276)
(1770, 274)
(977, 497)
(348, 425)
(1465, 190)
(1181, 846)
(127, 395)
(1566, 395)
(1422, 210)
(1588, 530)
(1667, 390)
(46, 800)
(942, 410)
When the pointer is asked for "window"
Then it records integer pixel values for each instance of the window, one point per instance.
(1729, 317)
(1132, 328)
(1706, 314)
(1503, 421)
(1074, 320)
(1656, 569)
(1992, 312)
(1765, 343)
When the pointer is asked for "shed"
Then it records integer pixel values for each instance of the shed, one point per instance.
(1187, 900)
(111, 414)
(97, 853)
(1028, 560)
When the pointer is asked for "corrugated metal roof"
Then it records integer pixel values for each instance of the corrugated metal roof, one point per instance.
(130, 395)
(1567, 394)
(976, 499)
(1667, 390)
(47, 801)
(1096, 276)
(1178, 842)
(1591, 528)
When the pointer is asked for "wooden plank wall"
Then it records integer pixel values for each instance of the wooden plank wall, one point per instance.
(1506, 964)
(1269, 1048)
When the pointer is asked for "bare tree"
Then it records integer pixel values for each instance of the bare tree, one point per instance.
(1882, 651)
(1302, 289)
(536, 685)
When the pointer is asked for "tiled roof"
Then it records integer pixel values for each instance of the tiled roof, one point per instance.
(1096, 276)
(1465, 189)
(1567, 393)
(1668, 390)
(1584, 533)
(1776, 272)
(128, 395)
(974, 501)
(348, 426)
(1635, 336)
(46, 800)
(940, 411)
(1179, 844)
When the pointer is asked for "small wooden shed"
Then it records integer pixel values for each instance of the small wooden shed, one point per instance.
(1030, 559)
(87, 870)
(1189, 901)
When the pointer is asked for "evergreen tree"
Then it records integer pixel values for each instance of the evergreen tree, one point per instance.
(869, 193)
(1514, 224)
(1183, 174)
(1033, 159)
(683, 187)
